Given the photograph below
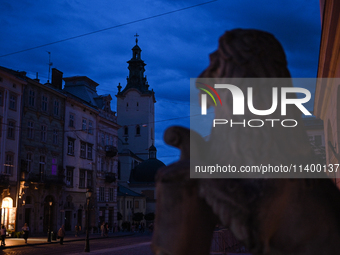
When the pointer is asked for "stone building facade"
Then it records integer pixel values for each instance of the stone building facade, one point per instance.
(12, 85)
(41, 155)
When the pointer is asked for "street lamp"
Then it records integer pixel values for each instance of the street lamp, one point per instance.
(49, 222)
(88, 197)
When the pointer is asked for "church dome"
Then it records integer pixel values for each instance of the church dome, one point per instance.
(146, 171)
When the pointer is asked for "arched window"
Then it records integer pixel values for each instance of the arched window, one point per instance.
(137, 130)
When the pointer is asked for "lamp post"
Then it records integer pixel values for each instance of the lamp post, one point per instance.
(87, 223)
(49, 222)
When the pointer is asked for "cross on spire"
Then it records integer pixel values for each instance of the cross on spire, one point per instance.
(136, 35)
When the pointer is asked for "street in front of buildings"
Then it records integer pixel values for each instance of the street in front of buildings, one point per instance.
(119, 245)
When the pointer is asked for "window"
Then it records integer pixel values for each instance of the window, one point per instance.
(136, 204)
(126, 131)
(55, 136)
(70, 146)
(118, 170)
(56, 108)
(82, 149)
(82, 179)
(0, 126)
(102, 164)
(1, 97)
(127, 204)
(89, 179)
(89, 151)
(31, 98)
(90, 127)
(10, 130)
(30, 130)
(137, 130)
(29, 162)
(111, 194)
(69, 177)
(42, 167)
(71, 120)
(107, 139)
(84, 125)
(9, 164)
(43, 133)
(112, 140)
(103, 139)
(12, 102)
(54, 166)
(44, 103)
(101, 194)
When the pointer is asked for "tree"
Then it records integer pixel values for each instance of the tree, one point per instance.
(119, 216)
(149, 216)
(138, 216)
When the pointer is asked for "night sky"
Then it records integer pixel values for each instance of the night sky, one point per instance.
(174, 46)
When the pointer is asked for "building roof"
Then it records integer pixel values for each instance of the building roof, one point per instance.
(123, 192)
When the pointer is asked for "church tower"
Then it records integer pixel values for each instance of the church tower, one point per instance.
(135, 108)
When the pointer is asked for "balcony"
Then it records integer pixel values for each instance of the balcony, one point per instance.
(111, 151)
(48, 180)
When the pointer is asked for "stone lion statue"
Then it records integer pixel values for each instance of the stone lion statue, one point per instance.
(269, 216)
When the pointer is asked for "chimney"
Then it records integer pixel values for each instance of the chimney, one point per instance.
(57, 78)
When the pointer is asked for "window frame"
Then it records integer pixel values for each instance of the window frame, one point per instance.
(56, 107)
(11, 129)
(90, 129)
(71, 120)
(83, 149)
(44, 103)
(31, 98)
(30, 130)
(70, 146)
(89, 151)
(13, 101)
(111, 194)
(101, 197)
(84, 125)
(42, 166)
(29, 161)
(55, 136)
(1, 97)
(69, 177)
(43, 133)
(82, 179)
(9, 163)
